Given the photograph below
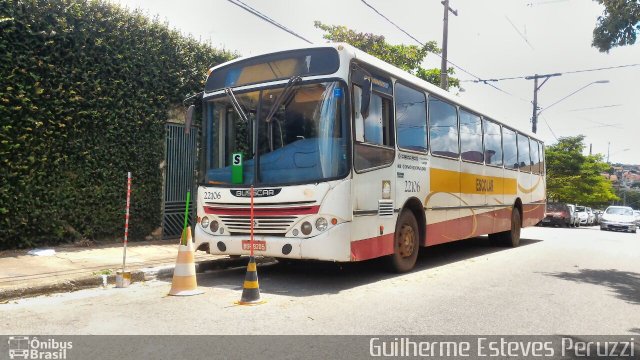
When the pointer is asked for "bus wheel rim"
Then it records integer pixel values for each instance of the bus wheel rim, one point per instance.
(406, 241)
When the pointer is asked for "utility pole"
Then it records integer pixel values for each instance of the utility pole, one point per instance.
(534, 118)
(444, 80)
(608, 148)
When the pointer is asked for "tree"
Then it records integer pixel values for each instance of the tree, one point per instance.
(575, 178)
(406, 57)
(629, 197)
(618, 25)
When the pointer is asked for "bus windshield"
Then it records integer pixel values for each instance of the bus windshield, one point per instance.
(305, 139)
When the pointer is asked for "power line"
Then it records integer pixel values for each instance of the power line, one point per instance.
(392, 23)
(545, 2)
(550, 129)
(596, 107)
(519, 33)
(598, 69)
(264, 17)
(562, 73)
(438, 55)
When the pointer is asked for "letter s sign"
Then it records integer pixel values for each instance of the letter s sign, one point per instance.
(237, 159)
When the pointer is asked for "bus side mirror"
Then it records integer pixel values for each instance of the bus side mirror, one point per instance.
(366, 97)
(188, 119)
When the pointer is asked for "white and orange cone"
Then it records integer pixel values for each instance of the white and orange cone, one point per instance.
(184, 275)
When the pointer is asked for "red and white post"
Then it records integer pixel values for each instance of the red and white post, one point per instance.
(126, 222)
(252, 222)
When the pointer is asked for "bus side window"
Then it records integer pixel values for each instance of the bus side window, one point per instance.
(443, 128)
(471, 137)
(411, 118)
(509, 148)
(535, 156)
(523, 153)
(358, 118)
(492, 143)
(541, 157)
(374, 129)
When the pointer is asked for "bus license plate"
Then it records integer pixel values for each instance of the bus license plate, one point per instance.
(258, 245)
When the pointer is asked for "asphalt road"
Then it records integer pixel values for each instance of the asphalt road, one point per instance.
(559, 281)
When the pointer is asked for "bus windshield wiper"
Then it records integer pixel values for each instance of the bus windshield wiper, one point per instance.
(284, 95)
(236, 104)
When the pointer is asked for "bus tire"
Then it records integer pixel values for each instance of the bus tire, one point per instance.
(511, 237)
(406, 243)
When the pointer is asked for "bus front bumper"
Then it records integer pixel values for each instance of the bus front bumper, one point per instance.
(332, 245)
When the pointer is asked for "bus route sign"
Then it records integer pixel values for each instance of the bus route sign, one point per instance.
(236, 168)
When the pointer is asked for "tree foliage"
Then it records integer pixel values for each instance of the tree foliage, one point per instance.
(575, 178)
(406, 57)
(85, 90)
(628, 197)
(619, 24)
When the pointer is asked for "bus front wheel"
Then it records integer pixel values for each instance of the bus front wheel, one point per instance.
(511, 237)
(406, 243)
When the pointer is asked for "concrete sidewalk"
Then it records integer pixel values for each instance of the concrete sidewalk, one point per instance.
(73, 268)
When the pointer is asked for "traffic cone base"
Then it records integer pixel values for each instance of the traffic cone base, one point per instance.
(250, 287)
(184, 274)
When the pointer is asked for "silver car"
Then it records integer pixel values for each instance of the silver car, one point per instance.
(575, 221)
(583, 215)
(618, 218)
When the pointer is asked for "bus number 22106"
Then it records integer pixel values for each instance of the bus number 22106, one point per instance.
(411, 186)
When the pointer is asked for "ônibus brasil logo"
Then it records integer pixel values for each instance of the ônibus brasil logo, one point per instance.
(25, 347)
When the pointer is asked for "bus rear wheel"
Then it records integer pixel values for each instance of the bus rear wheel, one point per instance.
(511, 237)
(406, 243)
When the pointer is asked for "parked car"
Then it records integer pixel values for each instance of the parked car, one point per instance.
(575, 222)
(583, 216)
(636, 214)
(592, 217)
(557, 214)
(618, 218)
(598, 216)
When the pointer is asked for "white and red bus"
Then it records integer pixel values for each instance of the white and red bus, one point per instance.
(351, 159)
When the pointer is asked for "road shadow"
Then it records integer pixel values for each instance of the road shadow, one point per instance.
(306, 278)
(625, 284)
(635, 330)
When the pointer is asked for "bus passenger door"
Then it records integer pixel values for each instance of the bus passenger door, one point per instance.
(373, 158)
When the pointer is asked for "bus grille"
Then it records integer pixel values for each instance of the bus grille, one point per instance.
(262, 224)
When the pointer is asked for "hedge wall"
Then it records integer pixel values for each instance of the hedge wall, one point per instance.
(85, 89)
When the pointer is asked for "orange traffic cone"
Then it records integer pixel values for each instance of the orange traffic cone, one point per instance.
(250, 288)
(184, 274)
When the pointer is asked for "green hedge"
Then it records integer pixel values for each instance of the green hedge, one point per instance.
(85, 89)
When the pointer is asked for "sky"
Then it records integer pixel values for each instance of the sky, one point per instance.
(489, 38)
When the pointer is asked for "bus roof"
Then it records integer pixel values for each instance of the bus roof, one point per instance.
(390, 69)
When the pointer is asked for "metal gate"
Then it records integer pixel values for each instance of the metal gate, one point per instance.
(180, 168)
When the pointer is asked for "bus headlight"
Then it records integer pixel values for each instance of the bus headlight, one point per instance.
(214, 226)
(306, 228)
(321, 224)
(204, 222)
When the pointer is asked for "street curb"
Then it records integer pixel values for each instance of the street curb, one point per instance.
(138, 275)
